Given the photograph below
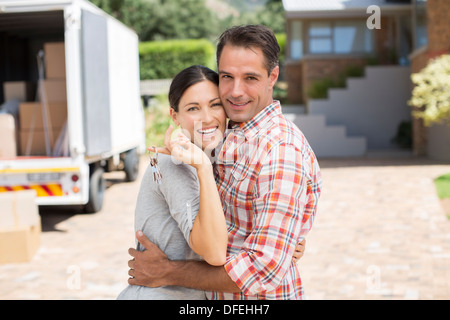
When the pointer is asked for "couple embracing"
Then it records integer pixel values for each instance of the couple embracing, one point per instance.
(236, 199)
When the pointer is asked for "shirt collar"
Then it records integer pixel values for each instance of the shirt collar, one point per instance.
(251, 127)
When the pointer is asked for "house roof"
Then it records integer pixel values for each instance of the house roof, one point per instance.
(324, 8)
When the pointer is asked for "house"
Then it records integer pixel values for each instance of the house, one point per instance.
(324, 37)
(385, 41)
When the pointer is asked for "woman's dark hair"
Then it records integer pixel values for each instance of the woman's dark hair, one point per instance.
(187, 78)
(252, 36)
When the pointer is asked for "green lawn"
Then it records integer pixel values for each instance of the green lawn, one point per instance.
(442, 184)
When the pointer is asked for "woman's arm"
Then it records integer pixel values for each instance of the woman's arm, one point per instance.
(209, 236)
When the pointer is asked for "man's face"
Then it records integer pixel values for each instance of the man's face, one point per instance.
(245, 87)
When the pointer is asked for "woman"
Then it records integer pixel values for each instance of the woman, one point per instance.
(183, 214)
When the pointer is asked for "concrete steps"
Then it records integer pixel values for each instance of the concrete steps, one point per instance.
(328, 140)
(372, 106)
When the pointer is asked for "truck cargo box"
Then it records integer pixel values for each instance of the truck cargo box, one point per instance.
(70, 79)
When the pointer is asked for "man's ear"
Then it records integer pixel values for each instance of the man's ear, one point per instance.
(273, 77)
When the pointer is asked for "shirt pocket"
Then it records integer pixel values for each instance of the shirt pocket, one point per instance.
(240, 193)
(240, 169)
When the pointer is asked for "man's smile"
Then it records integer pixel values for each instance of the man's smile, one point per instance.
(238, 105)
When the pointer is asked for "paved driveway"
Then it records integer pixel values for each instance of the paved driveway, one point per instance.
(380, 234)
(81, 256)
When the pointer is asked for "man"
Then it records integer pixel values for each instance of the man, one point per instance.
(268, 179)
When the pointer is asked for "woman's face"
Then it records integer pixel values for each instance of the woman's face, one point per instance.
(201, 115)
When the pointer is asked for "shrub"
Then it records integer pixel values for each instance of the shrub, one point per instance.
(281, 38)
(319, 88)
(431, 94)
(164, 59)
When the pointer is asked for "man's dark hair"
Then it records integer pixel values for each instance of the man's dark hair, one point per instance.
(252, 36)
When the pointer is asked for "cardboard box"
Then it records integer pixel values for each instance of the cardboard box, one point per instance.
(8, 141)
(37, 144)
(20, 226)
(27, 212)
(31, 113)
(55, 60)
(19, 244)
(7, 216)
(55, 90)
(19, 90)
(19, 209)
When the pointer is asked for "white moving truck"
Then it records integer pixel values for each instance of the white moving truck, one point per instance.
(84, 115)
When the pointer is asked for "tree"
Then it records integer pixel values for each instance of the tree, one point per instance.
(159, 19)
(186, 19)
(271, 15)
(189, 19)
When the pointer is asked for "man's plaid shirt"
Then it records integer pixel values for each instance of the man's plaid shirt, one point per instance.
(269, 181)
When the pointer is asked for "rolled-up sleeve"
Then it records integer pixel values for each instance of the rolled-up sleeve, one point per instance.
(280, 220)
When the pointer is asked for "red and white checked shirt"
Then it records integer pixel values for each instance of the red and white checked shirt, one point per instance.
(269, 181)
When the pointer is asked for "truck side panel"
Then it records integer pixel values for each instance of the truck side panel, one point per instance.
(94, 36)
(127, 118)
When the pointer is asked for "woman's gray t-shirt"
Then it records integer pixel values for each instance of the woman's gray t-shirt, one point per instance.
(165, 213)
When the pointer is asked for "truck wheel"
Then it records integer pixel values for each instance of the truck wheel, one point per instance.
(96, 191)
(131, 165)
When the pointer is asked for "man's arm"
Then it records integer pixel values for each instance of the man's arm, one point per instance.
(152, 268)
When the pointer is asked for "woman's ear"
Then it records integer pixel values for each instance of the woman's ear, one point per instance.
(174, 114)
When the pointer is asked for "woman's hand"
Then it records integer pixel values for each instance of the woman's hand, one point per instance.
(182, 149)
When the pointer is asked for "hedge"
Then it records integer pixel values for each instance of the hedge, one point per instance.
(164, 59)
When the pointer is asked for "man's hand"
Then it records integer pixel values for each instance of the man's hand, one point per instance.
(147, 268)
(299, 251)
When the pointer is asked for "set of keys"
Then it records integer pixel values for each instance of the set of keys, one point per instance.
(157, 176)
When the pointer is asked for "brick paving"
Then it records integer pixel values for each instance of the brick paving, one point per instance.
(380, 233)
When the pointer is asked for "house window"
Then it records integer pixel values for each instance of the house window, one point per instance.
(420, 24)
(352, 36)
(339, 37)
(320, 37)
(296, 47)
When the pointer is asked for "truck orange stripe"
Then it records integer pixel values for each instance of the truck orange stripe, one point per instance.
(55, 189)
(50, 190)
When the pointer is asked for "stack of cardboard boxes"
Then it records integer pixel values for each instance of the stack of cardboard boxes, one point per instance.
(20, 226)
(8, 145)
(31, 127)
(14, 93)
